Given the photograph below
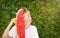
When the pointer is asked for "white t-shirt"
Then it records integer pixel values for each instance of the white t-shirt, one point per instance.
(30, 32)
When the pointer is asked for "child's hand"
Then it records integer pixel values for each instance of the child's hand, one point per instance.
(13, 20)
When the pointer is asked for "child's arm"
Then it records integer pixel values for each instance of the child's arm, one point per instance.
(5, 34)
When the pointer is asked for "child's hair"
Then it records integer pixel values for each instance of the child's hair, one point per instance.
(25, 9)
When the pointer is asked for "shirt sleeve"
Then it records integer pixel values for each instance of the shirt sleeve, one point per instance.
(12, 32)
(34, 32)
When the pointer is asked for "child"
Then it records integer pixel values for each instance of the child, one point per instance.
(30, 31)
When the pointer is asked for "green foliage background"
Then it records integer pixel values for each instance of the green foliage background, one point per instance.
(45, 15)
